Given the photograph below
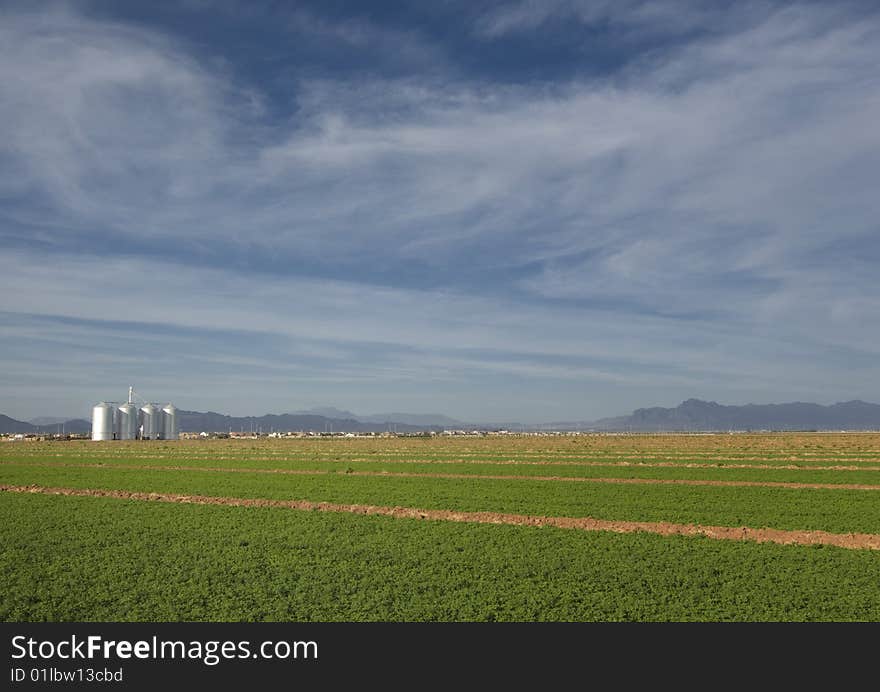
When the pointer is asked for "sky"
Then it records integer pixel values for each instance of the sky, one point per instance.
(520, 211)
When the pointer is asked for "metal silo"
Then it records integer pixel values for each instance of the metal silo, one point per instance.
(127, 422)
(169, 422)
(151, 416)
(102, 422)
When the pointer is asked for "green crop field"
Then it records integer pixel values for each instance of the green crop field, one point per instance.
(157, 531)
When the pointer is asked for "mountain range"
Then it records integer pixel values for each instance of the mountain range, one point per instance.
(74, 425)
(340, 421)
(690, 415)
(695, 414)
(424, 419)
(313, 420)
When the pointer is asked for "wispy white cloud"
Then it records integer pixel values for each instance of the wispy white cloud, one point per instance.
(110, 124)
(311, 334)
(670, 16)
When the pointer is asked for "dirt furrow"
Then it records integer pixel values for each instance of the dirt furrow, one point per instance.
(864, 541)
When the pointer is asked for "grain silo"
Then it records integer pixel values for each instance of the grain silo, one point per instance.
(151, 422)
(127, 422)
(169, 422)
(102, 421)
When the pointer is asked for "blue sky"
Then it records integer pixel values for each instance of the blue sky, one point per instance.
(527, 211)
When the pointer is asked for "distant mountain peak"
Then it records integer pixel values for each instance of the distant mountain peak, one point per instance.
(327, 412)
(698, 403)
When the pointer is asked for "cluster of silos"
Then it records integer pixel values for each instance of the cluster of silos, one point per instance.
(159, 423)
(111, 421)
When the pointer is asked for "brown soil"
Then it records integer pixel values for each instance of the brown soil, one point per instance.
(475, 476)
(742, 533)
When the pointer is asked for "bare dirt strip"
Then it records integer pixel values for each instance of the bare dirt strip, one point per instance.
(860, 541)
(468, 476)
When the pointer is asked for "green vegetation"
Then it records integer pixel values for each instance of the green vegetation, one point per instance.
(91, 558)
(837, 511)
(518, 467)
(72, 558)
